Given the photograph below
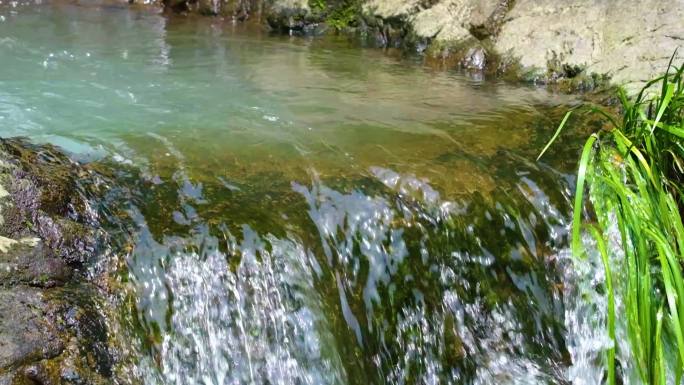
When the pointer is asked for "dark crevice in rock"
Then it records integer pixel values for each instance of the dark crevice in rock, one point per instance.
(492, 25)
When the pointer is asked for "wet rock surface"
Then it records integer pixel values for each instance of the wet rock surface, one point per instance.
(292, 16)
(51, 331)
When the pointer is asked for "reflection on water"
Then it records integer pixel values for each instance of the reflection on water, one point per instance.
(299, 211)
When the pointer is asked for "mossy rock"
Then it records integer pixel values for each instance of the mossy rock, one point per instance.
(51, 331)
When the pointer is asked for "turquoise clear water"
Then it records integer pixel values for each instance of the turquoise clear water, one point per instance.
(306, 211)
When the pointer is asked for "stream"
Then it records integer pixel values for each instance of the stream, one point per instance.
(289, 210)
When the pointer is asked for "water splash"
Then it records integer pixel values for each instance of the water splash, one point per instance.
(257, 322)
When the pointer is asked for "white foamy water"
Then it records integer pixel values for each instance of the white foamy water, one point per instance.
(256, 323)
(247, 308)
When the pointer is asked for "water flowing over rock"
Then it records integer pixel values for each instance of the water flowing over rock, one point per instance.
(281, 210)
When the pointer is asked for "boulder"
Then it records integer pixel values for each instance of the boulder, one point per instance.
(26, 336)
(630, 41)
(293, 17)
(625, 42)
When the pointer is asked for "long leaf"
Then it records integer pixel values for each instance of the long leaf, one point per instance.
(558, 131)
(579, 195)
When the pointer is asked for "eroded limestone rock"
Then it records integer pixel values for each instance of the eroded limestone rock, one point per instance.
(630, 41)
(624, 41)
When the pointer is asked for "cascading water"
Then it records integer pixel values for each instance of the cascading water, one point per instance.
(398, 286)
(256, 324)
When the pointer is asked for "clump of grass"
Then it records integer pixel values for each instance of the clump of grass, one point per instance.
(635, 176)
(344, 14)
(339, 14)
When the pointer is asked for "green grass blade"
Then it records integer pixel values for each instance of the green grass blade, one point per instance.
(677, 131)
(585, 158)
(637, 153)
(669, 91)
(555, 135)
(665, 256)
(636, 178)
(660, 354)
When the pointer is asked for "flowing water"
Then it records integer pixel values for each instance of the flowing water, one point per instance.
(305, 211)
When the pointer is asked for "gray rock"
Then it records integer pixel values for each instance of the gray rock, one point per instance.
(25, 334)
(27, 262)
(42, 200)
(475, 59)
(441, 20)
(6, 378)
(629, 41)
(292, 16)
(238, 9)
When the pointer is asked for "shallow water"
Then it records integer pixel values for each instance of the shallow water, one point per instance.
(304, 211)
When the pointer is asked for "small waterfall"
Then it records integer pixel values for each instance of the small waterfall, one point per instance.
(254, 323)
(397, 286)
(585, 317)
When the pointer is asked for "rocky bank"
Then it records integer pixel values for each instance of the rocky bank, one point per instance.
(52, 324)
(578, 41)
(578, 44)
